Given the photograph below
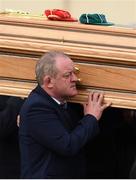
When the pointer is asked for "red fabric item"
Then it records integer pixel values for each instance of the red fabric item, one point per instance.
(59, 15)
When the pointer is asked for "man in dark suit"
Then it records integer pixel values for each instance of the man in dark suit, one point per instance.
(53, 134)
(9, 147)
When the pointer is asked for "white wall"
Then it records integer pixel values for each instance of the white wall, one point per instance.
(121, 12)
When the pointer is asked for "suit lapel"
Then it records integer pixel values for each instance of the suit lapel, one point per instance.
(64, 115)
(67, 118)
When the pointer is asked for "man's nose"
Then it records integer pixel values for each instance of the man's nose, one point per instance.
(74, 77)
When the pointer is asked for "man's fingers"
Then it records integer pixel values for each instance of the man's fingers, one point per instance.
(18, 120)
(101, 98)
(106, 105)
(90, 97)
(93, 96)
(96, 96)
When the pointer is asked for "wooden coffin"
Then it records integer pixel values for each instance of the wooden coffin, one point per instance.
(105, 56)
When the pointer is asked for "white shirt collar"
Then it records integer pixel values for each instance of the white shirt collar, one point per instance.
(56, 100)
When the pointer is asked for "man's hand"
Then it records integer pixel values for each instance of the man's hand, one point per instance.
(18, 120)
(95, 105)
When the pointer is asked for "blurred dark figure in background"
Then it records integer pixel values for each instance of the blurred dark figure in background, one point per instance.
(112, 153)
(9, 148)
(132, 174)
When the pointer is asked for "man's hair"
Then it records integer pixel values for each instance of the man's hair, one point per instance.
(47, 65)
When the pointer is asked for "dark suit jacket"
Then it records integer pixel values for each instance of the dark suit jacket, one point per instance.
(52, 140)
(9, 147)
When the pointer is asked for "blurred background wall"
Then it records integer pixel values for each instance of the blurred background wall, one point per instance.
(121, 12)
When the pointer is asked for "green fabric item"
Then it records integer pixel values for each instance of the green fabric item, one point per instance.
(95, 19)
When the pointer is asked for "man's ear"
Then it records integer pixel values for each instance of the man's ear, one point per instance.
(48, 81)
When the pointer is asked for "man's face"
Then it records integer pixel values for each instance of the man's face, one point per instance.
(64, 84)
